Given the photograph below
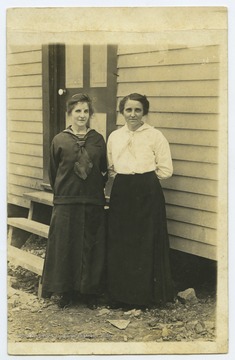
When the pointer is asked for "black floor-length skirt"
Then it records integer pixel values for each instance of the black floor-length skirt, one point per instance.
(138, 268)
(75, 253)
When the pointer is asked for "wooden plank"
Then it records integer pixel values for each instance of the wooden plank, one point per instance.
(25, 104)
(178, 120)
(193, 247)
(191, 185)
(196, 169)
(20, 159)
(184, 121)
(25, 126)
(184, 105)
(169, 73)
(161, 45)
(191, 200)
(191, 137)
(192, 216)
(25, 69)
(171, 88)
(42, 197)
(17, 190)
(25, 92)
(192, 232)
(30, 226)
(25, 138)
(25, 260)
(33, 149)
(25, 115)
(124, 49)
(203, 55)
(27, 182)
(204, 154)
(25, 171)
(23, 81)
(14, 49)
(17, 200)
(24, 57)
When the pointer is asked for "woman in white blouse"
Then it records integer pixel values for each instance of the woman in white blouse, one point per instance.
(138, 268)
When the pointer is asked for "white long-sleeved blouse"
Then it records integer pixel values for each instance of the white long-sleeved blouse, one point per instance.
(139, 151)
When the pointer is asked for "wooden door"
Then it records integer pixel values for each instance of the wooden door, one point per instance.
(71, 69)
(92, 69)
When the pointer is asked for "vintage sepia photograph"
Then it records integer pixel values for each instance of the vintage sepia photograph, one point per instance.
(117, 162)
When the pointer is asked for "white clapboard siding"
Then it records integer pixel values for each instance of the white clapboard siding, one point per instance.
(25, 170)
(28, 182)
(192, 216)
(19, 49)
(25, 69)
(170, 73)
(162, 46)
(145, 48)
(193, 137)
(178, 120)
(28, 138)
(24, 116)
(181, 88)
(194, 247)
(21, 81)
(196, 169)
(195, 153)
(191, 200)
(20, 159)
(24, 58)
(25, 92)
(191, 185)
(25, 126)
(174, 57)
(184, 104)
(191, 121)
(192, 232)
(25, 104)
(182, 85)
(25, 149)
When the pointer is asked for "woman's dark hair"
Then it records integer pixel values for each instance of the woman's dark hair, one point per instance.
(72, 102)
(137, 97)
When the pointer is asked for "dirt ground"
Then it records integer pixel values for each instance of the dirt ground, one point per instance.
(40, 320)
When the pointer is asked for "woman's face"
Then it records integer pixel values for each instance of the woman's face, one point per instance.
(133, 113)
(80, 115)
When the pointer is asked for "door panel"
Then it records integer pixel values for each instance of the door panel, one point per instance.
(92, 69)
(74, 66)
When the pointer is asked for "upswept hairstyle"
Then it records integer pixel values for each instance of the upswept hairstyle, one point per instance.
(72, 102)
(137, 97)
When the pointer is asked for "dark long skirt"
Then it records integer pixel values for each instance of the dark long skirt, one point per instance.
(138, 267)
(75, 251)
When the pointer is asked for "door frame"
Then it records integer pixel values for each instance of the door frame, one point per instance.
(53, 79)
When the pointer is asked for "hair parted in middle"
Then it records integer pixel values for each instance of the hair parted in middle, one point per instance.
(137, 97)
(76, 98)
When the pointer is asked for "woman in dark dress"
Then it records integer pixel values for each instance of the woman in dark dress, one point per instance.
(75, 254)
(139, 156)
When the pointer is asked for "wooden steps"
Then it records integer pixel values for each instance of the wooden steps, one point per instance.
(41, 203)
(25, 259)
(20, 228)
(30, 226)
(41, 197)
